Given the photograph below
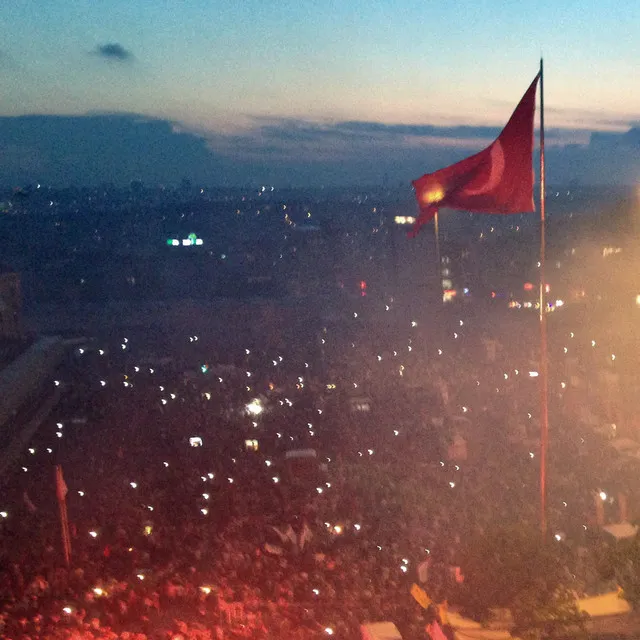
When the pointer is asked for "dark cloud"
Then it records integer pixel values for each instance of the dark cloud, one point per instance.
(89, 150)
(630, 139)
(421, 130)
(113, 51)
(295, 131)
(118, 148)
(608, 158)
(595, 119)
(363, 152)
(295, 128)
(449, 133)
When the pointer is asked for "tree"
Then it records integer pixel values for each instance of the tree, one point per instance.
(513, 568)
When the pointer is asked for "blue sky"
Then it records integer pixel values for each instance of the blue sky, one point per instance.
(206, 62)
(225, 68)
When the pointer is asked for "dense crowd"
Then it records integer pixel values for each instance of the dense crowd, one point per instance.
(190, 519)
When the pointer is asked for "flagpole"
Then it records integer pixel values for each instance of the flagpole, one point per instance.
(64, 517)
(544, 385)
(66, 537)
(436, 230)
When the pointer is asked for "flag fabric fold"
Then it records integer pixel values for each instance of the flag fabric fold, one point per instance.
(498, 179)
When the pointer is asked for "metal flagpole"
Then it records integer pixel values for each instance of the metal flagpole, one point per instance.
(65, 535)
(64, 518)
(436, 230)
(544, 385)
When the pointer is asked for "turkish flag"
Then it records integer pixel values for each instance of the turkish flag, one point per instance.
(498, 179)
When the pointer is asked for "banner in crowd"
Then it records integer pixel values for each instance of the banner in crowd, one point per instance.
(420, 596)
(380, 631)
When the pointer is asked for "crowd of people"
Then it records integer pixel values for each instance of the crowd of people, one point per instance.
(289, 492)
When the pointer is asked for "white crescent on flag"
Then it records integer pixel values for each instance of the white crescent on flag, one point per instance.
(496, 170)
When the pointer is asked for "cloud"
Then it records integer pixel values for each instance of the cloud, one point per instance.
(287, 138)
(630, 139)
(380, 128)
(363, 152)
(592, 119)
(458, 136)
(94, 149)
(608, 158)
(295, 132)
(113, 51)
(107, 147)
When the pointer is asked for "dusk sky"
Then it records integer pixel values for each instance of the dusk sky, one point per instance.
(232, 71)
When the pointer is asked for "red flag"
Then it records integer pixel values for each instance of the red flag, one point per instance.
(61, 485)
(498, 179)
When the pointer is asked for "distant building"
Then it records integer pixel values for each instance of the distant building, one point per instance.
(10, 304)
